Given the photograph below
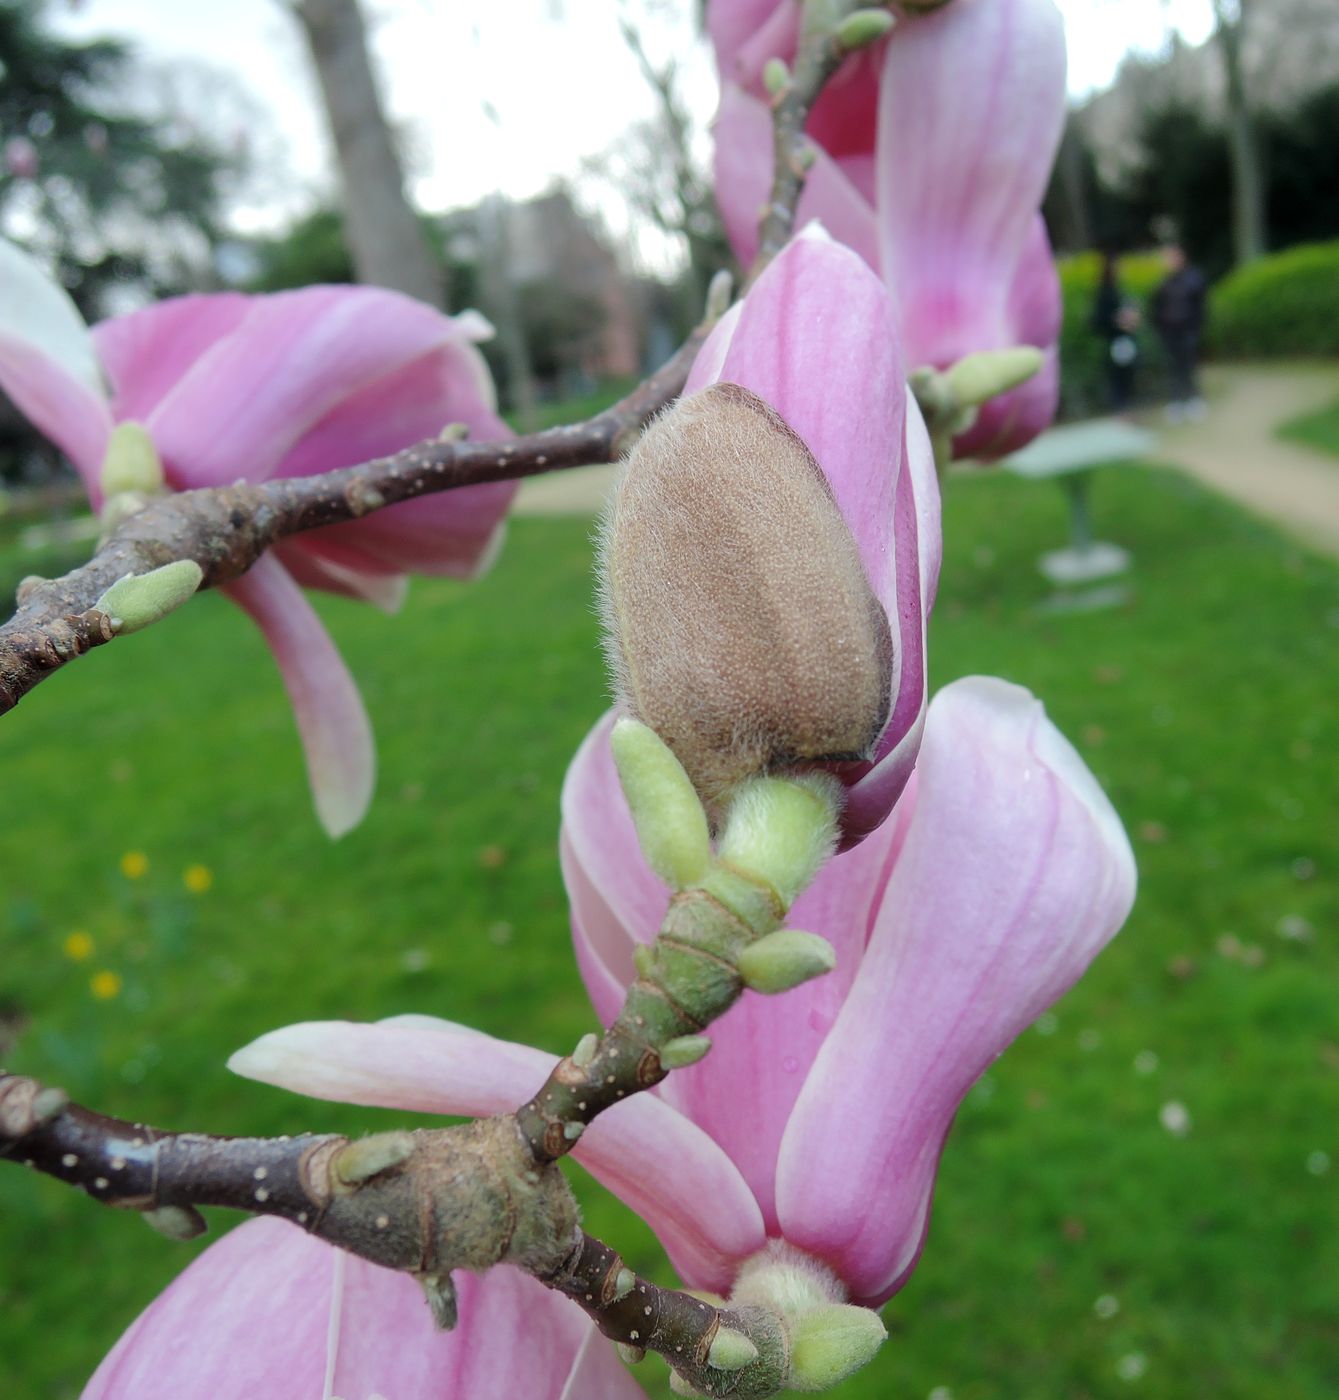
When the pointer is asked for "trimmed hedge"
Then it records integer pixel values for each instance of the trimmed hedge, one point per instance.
(1286, 304)
(1083, 383)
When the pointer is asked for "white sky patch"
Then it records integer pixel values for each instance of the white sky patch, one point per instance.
(507, 94)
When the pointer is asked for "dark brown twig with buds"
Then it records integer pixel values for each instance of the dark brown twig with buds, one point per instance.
(821, 52)
(226, 529)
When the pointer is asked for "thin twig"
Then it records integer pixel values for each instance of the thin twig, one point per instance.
(226, 529)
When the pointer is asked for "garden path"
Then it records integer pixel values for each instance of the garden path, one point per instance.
(1235, 450)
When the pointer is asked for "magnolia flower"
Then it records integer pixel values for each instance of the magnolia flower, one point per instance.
(933, 151)
(233, 387)
(816, 340)
(818, 1117)
(270, 1314)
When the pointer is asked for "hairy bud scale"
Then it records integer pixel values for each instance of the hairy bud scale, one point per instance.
(741, 625)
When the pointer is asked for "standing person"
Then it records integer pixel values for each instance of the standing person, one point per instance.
(1116, 319)
(1178, 313)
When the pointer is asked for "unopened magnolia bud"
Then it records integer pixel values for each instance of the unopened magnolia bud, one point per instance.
(671, 825)
(785, 959)
(131, 462)
(137, 600)
(981, 376)
(741, 625)
(828, 1344)
(863, 27)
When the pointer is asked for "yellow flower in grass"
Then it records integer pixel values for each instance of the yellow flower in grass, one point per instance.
(198, 878)
(105, 985)
(78, 946)
(134, 865)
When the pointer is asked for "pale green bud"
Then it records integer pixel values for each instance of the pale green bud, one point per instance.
(828, 1344)
(361, 1161)
(775, 76)
(671, 825)
(731, 1350)
(137, 600)
(176, 1222)
(719, 291)
(630, 1355)
(131, 462)
(979, 377)
(684, 1050)
(440, 1294)
(783, 829)
(624, 1283)
(784, 959)
(585, 1051)
(863, 27)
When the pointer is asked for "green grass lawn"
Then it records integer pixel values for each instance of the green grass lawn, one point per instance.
(1078, 1248)
(1316, 429)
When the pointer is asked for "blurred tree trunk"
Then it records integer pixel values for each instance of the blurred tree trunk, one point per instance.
(384, 235)
(1248, 186)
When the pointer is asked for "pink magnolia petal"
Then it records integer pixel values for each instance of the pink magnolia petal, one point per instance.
(251, 397)
(742, 1094)
(919, 546)
(598, 1374)
(48, 364)
(816, 338)
(731, 24)
(646, 1153)
(605, 873)
(960, 181)
(248, 1319)
(342, 571)
(834, 192)
(1014, 875)
(336, 735)
(270, 1314)
(146, 352)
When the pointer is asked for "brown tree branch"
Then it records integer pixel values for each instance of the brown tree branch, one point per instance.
(425, 1202)
(226, 529)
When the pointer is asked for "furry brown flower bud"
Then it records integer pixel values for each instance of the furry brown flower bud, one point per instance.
(741, 626)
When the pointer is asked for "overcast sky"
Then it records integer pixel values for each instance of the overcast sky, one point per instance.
(558, 77)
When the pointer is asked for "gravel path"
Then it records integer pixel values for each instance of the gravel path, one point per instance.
(1234, 448)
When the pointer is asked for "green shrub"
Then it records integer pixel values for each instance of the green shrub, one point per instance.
(1083, 384)
(1283, 305)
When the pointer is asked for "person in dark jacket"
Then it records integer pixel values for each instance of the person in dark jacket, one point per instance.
(1115, 320)
(1178, 314)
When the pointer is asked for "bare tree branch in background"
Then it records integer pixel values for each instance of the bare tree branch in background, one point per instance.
(383, 231)
(1248, 186)
(657, 171)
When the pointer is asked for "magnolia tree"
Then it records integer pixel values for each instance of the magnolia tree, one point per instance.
(810, 907)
